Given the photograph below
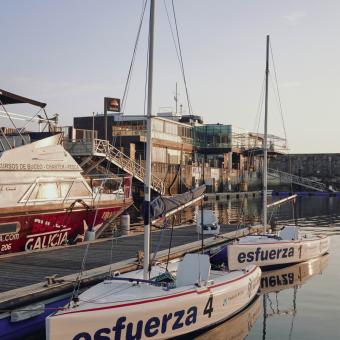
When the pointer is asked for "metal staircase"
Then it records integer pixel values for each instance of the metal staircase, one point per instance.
(124, 162)
(304, 182)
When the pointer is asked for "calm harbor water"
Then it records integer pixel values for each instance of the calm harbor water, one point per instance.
(299, 302)
(306, 307)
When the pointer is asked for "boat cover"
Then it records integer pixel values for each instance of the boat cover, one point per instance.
(164, 204)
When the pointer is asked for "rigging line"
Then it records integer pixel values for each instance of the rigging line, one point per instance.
(278, 92)
(260, 106)
(15, 127)
(30, 120)
(252, 153)
(181, 58)
(294, 314)
(165, 226)
(22, 116)
(172, 32)
(146, 82)
(170, 242)
(281, 110)
(128, 80)
(48, 121)
(265, 315)
(277, 98)
(76, 288)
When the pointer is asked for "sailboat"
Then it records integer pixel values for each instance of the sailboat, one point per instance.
(161, 301)
(268, 249)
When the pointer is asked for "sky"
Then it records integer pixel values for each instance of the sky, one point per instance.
(72, 53)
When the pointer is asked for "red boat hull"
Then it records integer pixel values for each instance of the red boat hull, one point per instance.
(33, 231)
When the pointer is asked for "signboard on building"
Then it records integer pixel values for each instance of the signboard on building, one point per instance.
(112, 104)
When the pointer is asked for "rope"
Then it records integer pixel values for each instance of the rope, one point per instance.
(181, 58)
(252, 153)
(278, 92)
(11, 120)
(75, 292)
(172, 32)
(128, 79)
(165, 225)
(281, 113)
(30, 120)
(170, 242)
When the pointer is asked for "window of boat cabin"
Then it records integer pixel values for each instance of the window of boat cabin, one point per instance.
(59, 190)
(9, 228)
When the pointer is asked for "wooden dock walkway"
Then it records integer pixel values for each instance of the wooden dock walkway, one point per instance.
(22, 276)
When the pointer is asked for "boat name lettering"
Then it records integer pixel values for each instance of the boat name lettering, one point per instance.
(38, 166)
(262, 255)
(40, 225)
(277, 280)
(45, 241)
(9, 237)
(137, 330)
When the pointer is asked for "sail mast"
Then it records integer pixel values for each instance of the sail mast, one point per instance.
(265, 146)
(147, 179)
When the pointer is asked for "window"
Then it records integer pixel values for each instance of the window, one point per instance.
(56, 190)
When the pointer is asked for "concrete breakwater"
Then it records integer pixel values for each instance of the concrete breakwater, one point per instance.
(320, 167)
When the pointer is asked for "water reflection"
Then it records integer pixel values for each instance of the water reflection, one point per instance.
(289, 279)
(324, 211)
(293, 276)
(236, 328)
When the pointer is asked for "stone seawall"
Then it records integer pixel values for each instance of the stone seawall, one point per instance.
(322, 167)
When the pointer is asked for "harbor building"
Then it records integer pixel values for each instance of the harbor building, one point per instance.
(186, 152)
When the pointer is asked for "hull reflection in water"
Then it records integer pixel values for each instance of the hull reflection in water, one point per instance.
(274, 281)
(236, 328)
(289, 278)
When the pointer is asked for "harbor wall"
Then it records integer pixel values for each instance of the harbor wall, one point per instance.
(324, 167)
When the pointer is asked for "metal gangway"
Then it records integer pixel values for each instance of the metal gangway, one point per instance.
(303, 181)
(103, 149)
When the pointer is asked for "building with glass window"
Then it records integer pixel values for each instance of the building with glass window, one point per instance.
(182, 147)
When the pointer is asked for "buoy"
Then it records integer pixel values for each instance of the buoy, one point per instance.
(125, 224)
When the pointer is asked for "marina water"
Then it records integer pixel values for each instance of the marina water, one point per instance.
(287, 308)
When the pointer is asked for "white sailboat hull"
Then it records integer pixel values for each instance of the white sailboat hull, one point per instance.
(157, 313)
(267, 251)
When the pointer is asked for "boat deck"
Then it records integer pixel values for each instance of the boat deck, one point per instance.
(23, 275)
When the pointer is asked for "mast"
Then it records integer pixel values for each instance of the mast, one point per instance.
(265, 147)
(147, 179)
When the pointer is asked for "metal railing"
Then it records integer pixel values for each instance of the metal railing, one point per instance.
(124, 162)
(305, 182)
(254, 141)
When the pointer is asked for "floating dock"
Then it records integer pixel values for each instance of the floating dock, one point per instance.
(232, 195)
(28, 278)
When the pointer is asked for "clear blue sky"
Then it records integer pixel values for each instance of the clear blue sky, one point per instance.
(72, 53)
